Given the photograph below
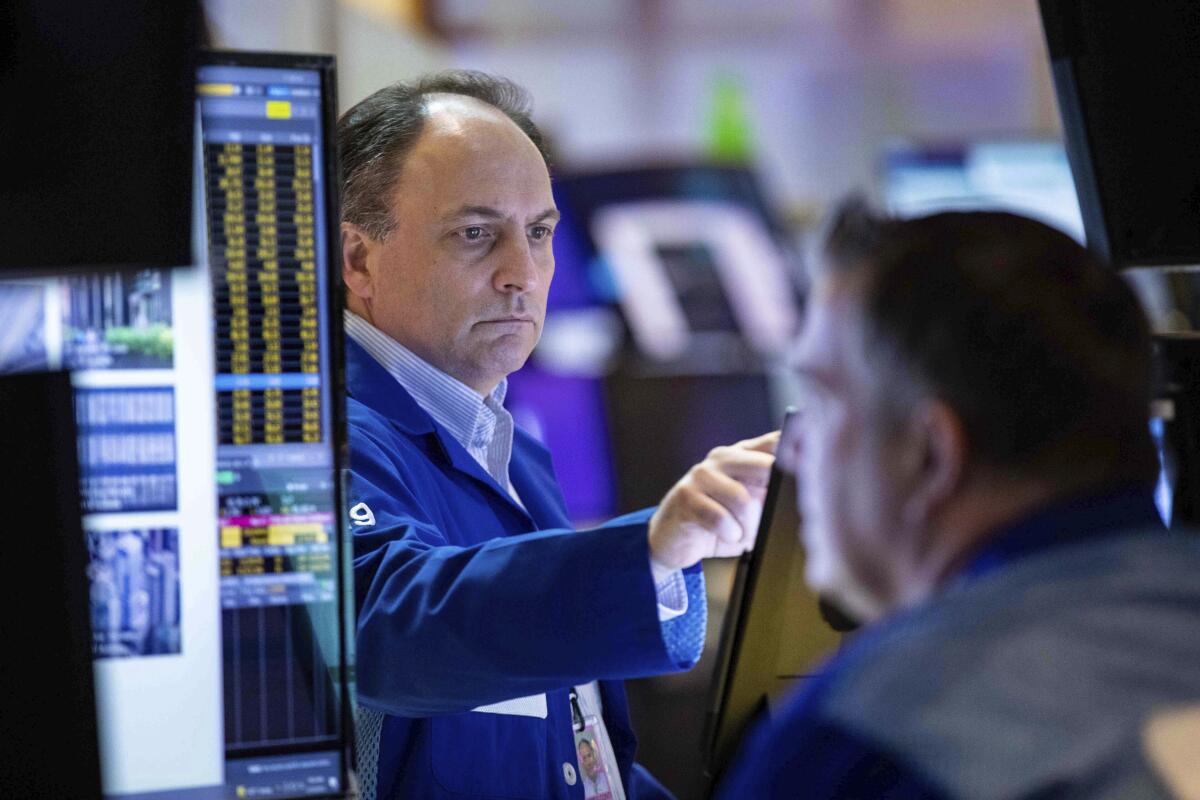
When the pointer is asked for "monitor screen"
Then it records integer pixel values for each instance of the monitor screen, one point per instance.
(97, 134)
(270, 185)
(1029, 177)
(1127, 82)
(139, 345)
(140, 349)
(208, 406)
(775, 635)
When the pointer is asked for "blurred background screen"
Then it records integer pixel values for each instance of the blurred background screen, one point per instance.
(1030, 177)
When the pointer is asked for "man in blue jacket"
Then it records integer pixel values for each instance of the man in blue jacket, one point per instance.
(976, 473)
(491, 637)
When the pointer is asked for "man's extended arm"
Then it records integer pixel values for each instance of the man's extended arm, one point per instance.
(443, 628)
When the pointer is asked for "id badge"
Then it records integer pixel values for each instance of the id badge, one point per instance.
(597, 784)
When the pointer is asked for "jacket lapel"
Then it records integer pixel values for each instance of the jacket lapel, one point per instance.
(377, 389)
(461, 460)
(532, 475)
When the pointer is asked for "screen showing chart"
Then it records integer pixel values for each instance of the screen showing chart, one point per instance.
(266, 182)
(208, 432)
(139, 346)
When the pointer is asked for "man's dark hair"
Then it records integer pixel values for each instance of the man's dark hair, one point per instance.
(1042, 351)
(375, 135)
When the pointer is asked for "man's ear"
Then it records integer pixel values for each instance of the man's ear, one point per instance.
(356, 272)
(937, 459)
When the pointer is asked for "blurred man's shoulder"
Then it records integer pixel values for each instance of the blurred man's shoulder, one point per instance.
(1044, 667)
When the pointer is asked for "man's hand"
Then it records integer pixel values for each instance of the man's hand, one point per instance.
(715, 508)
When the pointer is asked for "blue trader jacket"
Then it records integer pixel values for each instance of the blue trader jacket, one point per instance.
(1033, 675)
(466, 599)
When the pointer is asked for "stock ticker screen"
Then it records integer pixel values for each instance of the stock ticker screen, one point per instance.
(267, 222)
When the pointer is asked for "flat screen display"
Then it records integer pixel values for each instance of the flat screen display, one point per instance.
(140, 348)
(269, 188)
(1127, 82)
(1029, 177)
(209, 427)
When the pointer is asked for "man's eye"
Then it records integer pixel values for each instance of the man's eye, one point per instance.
(540, 232)
(473, 233)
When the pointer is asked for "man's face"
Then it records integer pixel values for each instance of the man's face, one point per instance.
(847, 484)
(462, 278)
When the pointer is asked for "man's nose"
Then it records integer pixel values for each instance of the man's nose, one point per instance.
(517, 270)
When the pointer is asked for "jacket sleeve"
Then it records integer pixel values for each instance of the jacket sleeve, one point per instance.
(444, 629)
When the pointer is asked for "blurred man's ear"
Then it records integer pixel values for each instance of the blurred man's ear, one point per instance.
(935, 460)
(356, 247)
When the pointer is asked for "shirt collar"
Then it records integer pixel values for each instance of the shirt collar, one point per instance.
(1113, 510)
(466, 414)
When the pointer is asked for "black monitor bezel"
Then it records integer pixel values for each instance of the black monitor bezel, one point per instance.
(68, 83)
(717, 736)
(48, 681)
(1072, 109)
(1087, 87)
(747, 677)
(326, 66)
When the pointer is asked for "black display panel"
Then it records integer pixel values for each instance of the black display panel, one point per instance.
(46, 679)
(776, 632)
(97, 134)
(1128, 86)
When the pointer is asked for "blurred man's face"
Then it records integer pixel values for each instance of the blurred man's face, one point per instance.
(462, 278)
(849, 498)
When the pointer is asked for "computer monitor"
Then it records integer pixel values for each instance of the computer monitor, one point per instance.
(1025, 176)
(139, 346)
(46, 675)
(774, 634)
(691, 255)
(271, 186)
(208, 402)
(1127, 82)
(97, 134)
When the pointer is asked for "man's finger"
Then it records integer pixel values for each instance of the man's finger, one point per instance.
(733, 497)
(726, 549)
(765, 443)
(752, 468)
(716, 520)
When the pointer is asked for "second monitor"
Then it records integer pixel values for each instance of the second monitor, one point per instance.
(775, 634)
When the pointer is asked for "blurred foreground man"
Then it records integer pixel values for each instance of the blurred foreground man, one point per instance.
(975, 473)
(491, 637)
